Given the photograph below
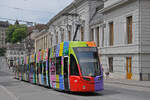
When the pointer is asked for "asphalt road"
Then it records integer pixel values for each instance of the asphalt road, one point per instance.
(12, 89)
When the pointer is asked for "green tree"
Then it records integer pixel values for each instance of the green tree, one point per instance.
(2, 51)
(16, 33)
(9, 32)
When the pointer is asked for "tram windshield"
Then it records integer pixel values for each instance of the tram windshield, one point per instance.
(88, 61)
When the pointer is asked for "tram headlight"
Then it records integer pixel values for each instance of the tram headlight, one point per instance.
(84, 87)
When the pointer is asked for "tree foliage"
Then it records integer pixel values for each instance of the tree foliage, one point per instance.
(2, 51)
(16, 33)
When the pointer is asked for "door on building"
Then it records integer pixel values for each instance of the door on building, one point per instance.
(128, 67)
(110, 64)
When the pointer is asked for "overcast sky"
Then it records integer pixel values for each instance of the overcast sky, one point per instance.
(40, 11)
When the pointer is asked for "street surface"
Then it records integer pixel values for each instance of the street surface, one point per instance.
(12, 89)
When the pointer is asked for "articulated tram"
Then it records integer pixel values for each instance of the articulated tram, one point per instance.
(69, 66)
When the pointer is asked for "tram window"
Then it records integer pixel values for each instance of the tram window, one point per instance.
(21, 68)
(27, 68)
(58, 65)
(31, 68)
(52, 66)
(37, 65)
(34, 67)
(44, 65)
(24, 68)
(40, 67)
(73, 66)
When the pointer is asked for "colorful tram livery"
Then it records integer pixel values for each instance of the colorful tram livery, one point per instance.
(69, 66)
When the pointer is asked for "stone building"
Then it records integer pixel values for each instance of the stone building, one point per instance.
(42, 40)
(40, 37)
(3, 27)
(62, 27)
(126, 50)
(120, 29)
(14, 51)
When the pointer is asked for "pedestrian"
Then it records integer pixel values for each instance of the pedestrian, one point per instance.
(13, 68)
(9, 66)
(107, 73)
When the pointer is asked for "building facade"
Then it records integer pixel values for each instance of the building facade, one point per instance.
(126, 50)
(14, 51)
(3, 28)
(42, 40)
(62, 27)
(120, 29)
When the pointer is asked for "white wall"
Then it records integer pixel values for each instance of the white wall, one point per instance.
(145, 25)
(120, 50)
(83, 11)
(145, 38)
(118, 16)
(110, 2)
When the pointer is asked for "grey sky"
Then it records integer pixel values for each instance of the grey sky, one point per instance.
(40, 11)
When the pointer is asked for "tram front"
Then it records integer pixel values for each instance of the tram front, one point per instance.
(89, 77)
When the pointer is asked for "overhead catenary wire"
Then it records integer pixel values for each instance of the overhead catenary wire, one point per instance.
(17, 20)
(20, 20)
(22, 9)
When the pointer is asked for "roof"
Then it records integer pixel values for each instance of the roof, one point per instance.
(4, 24)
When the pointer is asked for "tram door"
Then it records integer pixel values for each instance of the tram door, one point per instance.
(66, 76)
(128, 68)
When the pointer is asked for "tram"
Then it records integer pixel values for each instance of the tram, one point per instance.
(69, 66)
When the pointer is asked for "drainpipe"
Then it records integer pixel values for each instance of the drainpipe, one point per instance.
(140, 42)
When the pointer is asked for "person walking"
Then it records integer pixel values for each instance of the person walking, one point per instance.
(107, 73)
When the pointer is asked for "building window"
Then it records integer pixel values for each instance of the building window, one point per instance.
(102, 36)
(57, 38)
(21, 53)
(14, 52)
(97, 33)
(46, 41)
(42, 43)
(51, 40)
(92, 34)
(62, 35)
(110, 59)
(69, 32)
(129, 30)
(111, 33)
(82, 33)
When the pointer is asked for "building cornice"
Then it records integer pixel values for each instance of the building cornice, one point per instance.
(4, 24)
(105, 9)
(41, 34)
(65, 10)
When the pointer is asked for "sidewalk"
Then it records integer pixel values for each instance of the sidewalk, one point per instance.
(128, 82)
